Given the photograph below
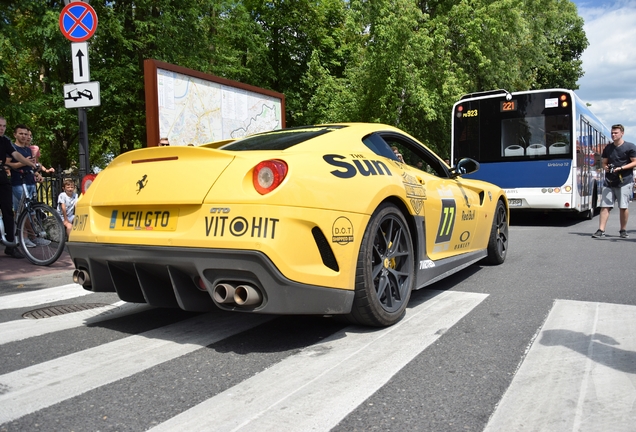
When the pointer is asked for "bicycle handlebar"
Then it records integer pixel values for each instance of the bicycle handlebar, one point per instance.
(37, 168)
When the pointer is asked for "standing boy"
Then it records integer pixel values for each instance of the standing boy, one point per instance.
(66, 204)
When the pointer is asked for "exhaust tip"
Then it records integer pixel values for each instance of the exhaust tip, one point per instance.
(223, 293)
(76, 276)
(247, 295)
(82, 277)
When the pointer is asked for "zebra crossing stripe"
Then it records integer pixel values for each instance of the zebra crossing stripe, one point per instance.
(317, 388)
(12, 331)
(47, 295)
(36, 387)
(579, 373)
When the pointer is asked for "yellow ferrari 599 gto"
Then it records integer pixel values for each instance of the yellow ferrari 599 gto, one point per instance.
(339, 219)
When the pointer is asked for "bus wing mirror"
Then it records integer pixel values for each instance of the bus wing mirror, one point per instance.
(465, 166)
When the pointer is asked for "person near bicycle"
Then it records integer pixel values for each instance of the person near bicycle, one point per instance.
(66, 204)
(19, 171)
(8, 151)
(35, 152)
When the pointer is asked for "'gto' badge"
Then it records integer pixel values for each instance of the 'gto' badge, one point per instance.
(220, 210)
(142, 183)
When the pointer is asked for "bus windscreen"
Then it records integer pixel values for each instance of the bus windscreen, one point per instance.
(530, 126)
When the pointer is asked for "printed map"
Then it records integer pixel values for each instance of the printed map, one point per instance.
(196, 111)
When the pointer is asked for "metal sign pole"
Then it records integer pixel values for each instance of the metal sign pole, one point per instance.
(84, 161)
(78, 22)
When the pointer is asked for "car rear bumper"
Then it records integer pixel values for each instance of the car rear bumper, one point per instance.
(186, 278)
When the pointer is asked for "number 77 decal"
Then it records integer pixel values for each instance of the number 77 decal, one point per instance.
(446, 221)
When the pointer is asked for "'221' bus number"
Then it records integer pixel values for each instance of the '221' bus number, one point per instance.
(471, 113)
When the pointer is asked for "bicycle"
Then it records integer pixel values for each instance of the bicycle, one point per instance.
(40, 231)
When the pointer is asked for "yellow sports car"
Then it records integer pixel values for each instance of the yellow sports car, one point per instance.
(340, 219)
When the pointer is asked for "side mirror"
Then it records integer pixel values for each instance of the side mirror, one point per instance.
(464, 166)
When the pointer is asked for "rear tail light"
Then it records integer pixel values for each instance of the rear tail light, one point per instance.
(268, 175)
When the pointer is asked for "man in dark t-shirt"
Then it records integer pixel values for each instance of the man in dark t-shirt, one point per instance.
(19, 172)
(7, 151)
(619, 160)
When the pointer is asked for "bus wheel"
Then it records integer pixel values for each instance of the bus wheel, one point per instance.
(498, 242)
(589, 214)
(385, 270)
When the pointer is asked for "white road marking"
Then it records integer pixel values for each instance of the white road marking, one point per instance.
(42, 296)
(22, 329)
(45, 384)
(317, 388)
(579, 374)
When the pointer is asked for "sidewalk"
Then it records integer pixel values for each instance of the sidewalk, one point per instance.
(16, 271)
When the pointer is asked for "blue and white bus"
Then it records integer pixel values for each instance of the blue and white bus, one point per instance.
(543, 147)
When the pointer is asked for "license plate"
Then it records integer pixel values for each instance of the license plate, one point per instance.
(144, 219)
(514, 202)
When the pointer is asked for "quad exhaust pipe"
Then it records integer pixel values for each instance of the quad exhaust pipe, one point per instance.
(223, 293)
(239, 295)
(82, 277)
(247, 295)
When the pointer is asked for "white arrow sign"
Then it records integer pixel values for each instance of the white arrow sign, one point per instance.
(79, 54)
(82, 95)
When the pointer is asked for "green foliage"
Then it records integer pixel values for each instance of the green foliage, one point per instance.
(401, 62)
(563, 42)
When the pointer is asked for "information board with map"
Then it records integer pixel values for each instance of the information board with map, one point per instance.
(190, 107)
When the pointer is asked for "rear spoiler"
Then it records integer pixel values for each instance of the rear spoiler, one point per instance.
(217, 144)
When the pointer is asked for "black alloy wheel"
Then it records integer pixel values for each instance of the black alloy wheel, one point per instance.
(498, 242)
(385, 270)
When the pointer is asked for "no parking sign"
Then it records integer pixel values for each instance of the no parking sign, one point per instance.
(78, 21)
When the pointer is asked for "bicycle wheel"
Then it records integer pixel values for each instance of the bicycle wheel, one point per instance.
(42, 234)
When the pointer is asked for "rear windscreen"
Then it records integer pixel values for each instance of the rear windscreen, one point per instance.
(280, 139)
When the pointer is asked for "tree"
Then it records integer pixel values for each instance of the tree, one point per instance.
(33, 69)
(402, 62)
(294, 31)
(561, 29)
(212, 36)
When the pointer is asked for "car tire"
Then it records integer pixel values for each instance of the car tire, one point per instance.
(498, 241)
(385, 270)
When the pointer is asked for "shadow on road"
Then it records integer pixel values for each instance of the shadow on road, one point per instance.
(599, 348)
(536, 218)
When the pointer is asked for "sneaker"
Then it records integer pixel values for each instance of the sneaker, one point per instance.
(623, 234)
(598, 234)
(13, 253)
(39, 241)
(28, 243)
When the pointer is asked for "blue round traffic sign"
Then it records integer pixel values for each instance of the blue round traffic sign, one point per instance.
(78, 21)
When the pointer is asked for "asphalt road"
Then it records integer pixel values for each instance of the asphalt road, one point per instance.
(543, 342)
